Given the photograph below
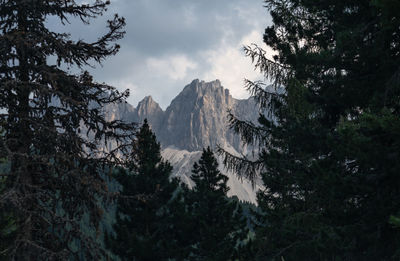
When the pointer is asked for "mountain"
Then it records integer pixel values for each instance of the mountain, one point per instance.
(195, 119)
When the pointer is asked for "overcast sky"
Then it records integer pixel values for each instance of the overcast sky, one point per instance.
(169, 43)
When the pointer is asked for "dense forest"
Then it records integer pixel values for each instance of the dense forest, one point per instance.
(328, 140)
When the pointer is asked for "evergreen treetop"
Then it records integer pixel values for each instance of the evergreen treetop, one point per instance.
(218, 222)
(147, 224)
(206, 176)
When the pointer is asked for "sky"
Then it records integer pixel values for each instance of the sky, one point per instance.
(168, 43)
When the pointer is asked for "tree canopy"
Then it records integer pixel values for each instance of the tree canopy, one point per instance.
(219, 226)
(56, 175)
(328, 132)
(146, 225)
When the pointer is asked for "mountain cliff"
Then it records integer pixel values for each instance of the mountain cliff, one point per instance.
(195, 119)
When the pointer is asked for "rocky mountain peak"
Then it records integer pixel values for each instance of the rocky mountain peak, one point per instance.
(195, 119)
(148, 108)
(201, 88)
(148, 104)
(147, 99)
(200, 94)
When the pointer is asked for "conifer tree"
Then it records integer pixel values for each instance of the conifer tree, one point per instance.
(8, 226)
(8, 222)
(56, 174)
(328, 131)
(218, 224)
(145, 228)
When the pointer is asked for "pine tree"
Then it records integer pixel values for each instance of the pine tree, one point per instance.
(218, 224)
(328, 131)
(56, 175)
(145, 228)
(8, 227)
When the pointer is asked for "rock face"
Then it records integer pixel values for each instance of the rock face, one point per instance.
(195, 119)
(149, 109)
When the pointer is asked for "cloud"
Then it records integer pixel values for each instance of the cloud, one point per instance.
(175, 67)
(231, 66)
(168, 43)
(126, 85)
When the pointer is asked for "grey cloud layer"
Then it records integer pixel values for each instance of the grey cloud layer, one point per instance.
(174, 33)
(185, 26)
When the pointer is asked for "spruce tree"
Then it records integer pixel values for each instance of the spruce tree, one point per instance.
(329, 131)
(8, 228)
(145, 228)
(56, 177)
(218, 224)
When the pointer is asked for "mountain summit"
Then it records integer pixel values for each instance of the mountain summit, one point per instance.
(195, 119)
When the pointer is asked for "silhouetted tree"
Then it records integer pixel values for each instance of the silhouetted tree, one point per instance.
(56, 176)
(218, 223)
(146, 227)
(328, 135)
(8, 228)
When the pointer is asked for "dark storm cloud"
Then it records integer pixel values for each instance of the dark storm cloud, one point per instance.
(170, 42)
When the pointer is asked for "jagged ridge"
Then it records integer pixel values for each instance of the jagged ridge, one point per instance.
(195, 119)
